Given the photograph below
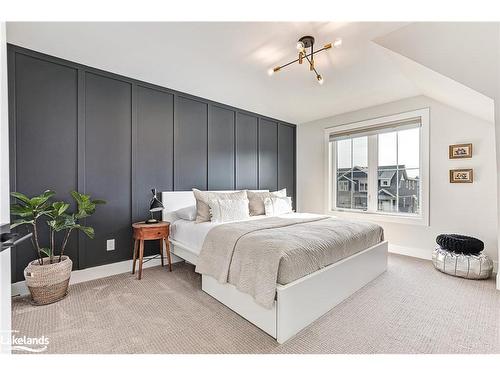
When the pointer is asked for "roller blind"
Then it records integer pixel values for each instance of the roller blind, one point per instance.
(386, 127)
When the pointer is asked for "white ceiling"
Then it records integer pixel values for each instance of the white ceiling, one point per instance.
(444, 89)
(466, 52)
(227, 62)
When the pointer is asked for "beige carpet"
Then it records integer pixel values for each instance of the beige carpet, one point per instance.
(411, 308)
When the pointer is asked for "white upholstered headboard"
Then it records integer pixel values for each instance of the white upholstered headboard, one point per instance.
(175, 200)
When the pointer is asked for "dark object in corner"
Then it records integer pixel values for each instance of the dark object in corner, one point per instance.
(460, 244)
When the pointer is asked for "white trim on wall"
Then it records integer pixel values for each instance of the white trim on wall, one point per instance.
(330, 196)
(414, 252)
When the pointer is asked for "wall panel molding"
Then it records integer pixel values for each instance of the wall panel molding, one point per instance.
(135, 135)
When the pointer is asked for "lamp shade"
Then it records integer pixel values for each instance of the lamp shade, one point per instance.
(155, 204)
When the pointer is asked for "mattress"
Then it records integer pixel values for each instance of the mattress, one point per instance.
(253, 256)
(190, 234)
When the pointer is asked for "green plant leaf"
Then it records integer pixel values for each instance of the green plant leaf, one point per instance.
(57, 209)
(19, 222)
(89, 231)
(46, 251)
(99, 201)
(64, 222)
(23, 198)
(41, 199)
(86, 207)
(19, 210)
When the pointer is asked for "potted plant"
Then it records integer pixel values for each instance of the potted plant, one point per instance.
(48, 276)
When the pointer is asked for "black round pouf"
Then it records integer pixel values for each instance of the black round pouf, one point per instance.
(460, 244)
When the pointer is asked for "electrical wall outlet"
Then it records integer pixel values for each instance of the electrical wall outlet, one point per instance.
(110, 245)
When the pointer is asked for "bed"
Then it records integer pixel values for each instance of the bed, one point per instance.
(299, 297)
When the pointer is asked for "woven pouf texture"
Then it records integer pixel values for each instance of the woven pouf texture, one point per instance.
(462, 265)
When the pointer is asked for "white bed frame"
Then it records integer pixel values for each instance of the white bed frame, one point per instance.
(298, 303)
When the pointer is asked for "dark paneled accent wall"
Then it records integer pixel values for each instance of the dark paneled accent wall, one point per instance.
(247, 152)
(286, 159)
(190, 140)
(154, 164)
(108, 155)
(268, 155)
(76, 127)
(221, 167)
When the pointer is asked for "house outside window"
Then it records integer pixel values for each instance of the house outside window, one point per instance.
(343, 185)
(380, 167)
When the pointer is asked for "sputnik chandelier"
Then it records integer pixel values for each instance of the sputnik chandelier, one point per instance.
(302, 45)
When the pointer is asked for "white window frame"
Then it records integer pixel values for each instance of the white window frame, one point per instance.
(371, 213)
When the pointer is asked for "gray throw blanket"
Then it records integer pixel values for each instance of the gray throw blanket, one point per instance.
(255, 255)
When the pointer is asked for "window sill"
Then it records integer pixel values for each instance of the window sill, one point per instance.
(380, 217)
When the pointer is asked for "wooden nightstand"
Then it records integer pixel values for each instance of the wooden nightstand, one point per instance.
(145, 232)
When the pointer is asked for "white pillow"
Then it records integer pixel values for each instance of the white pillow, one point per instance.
(225, 210)
(256, 199)
(202, 198)
(278, 205)
(187, 213)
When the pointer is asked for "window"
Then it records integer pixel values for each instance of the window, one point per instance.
(380, 167)
(399, 159)
(351, 166)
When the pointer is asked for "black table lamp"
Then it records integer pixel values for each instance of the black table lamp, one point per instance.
(154, 206)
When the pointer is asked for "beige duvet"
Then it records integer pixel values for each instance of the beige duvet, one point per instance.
(255, 255)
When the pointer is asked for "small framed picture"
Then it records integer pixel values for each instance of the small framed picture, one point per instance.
(463, 176)
(460, 151)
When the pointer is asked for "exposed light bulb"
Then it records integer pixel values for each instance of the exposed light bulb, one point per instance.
(271, 71)
(337, 43)
(320, 79)
(300, 46)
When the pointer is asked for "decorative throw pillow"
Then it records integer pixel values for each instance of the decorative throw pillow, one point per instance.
(202, 198)
(187, 213)
(256, 199)
(278, 205)
(225, 210)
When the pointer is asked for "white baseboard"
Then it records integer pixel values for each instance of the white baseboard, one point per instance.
(87, 274)
(414, 252)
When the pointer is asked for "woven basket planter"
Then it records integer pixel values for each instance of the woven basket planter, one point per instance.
(48, 283)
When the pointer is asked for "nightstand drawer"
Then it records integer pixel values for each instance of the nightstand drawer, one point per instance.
(151, 233)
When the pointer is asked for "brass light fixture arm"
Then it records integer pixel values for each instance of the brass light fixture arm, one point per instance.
(327, 46)
(312, 66)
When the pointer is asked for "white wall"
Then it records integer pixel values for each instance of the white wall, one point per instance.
(454, 208)
(497, 138)
(5, 304)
